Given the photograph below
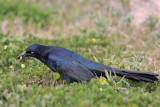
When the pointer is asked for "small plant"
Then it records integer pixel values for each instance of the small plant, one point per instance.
(151, 22)
(115, 82)
(128, 19)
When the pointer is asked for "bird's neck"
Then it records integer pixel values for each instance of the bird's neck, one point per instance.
(42, 53)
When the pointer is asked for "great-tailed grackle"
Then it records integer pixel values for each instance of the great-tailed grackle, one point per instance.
(73, 67)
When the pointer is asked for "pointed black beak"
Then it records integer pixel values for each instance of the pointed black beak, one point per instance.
(24, 54)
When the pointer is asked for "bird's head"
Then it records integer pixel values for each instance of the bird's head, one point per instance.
(31, 51)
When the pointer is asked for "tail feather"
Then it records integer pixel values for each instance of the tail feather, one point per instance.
(137, 75)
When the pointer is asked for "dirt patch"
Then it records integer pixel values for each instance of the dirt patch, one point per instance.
(140, 9)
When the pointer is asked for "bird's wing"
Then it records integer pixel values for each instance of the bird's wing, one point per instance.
(71, 68)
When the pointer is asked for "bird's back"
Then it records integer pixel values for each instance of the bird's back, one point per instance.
(89, 64)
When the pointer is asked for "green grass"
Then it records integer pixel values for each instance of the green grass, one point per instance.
(36, 85)
(27, 12)
(105, 38)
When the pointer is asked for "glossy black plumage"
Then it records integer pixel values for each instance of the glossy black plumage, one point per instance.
(73, 67)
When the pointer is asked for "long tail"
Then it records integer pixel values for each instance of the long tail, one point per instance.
(137, 75)
(132, 75)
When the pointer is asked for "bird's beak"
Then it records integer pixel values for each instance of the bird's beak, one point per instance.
(24, 54)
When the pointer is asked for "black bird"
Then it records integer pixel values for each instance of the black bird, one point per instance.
(74, 68)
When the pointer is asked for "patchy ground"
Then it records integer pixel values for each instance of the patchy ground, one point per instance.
(70, 17)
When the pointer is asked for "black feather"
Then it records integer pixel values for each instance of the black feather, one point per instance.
(73, 67)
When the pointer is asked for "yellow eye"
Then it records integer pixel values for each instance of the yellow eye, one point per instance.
(32, 52)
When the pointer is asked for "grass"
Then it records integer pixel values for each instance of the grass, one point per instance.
(27, 12)
(109, 39)
(19, 82)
